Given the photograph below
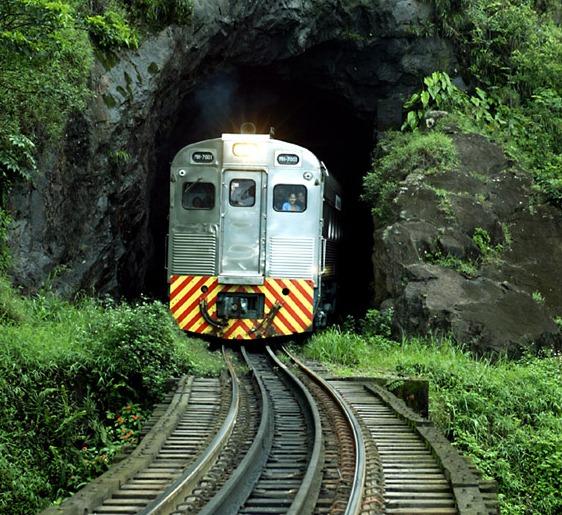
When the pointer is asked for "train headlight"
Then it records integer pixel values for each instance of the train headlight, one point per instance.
(307, 176)
(245, 150)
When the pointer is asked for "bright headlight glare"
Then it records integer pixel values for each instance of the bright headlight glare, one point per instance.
(246, 150)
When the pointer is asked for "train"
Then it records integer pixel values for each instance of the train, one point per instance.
(252, 246)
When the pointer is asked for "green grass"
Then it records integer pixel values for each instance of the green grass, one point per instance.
(506, 415)
(76, 381)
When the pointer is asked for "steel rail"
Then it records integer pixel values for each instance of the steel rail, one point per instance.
(239, 486)
(165, 503)
(307, 495)
(354, 505)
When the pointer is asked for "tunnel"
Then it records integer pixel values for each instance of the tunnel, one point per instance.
(299, 112)
(329, 77)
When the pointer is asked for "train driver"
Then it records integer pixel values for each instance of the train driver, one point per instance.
(291, 204)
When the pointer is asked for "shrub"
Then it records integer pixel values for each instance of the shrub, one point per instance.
(111, 30)
(135, 348)
(75, 383)
(377, 323)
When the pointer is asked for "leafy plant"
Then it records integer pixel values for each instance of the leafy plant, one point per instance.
(119, 158)
(32, 26)
(538, 297)
(438, 93)
(111, 30)
(464, 266)
(377, 322)
(16, 158)
(482, 239)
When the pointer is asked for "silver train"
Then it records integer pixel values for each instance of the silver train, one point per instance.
(254, 227)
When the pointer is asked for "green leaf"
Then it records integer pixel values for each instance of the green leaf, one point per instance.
(425, 99)
(412, 120)
(412, 101)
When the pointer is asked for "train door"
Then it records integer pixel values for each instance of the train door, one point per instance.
(242, 225)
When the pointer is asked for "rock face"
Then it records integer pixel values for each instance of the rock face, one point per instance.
(473, 253)
(95, 217)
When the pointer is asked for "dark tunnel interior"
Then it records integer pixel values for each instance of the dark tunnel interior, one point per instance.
(311, 117)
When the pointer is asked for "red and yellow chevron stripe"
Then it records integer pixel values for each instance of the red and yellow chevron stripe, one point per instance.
(288, 306)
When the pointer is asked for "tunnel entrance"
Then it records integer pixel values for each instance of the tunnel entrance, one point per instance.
(300, 113)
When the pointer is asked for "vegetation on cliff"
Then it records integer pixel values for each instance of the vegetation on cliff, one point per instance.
(46, 51)
(505, 415)
(474, 222)
(511, 58)
(76, 381)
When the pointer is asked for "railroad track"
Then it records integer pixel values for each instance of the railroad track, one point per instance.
(273, 436)
(420, 471)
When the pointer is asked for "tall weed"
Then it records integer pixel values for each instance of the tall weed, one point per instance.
(336, 346)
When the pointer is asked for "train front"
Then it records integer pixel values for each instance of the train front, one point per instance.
(245, 238)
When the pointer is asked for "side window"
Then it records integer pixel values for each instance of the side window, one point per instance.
(242, 193)
(198, 195)
(290, 198)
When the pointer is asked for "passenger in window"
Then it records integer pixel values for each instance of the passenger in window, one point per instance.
(291, 204)
(301, 200)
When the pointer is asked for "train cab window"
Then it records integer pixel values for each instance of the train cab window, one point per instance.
(242, 192)
(290, 198)
(198, 195)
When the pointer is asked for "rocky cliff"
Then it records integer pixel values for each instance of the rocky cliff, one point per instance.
(472, 252)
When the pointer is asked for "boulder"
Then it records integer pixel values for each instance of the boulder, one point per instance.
(473, 253)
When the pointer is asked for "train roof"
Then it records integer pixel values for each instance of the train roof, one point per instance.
(306, 154)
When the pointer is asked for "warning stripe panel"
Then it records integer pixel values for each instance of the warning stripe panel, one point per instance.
(294, 297)
(286, 313)
(292, 310)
